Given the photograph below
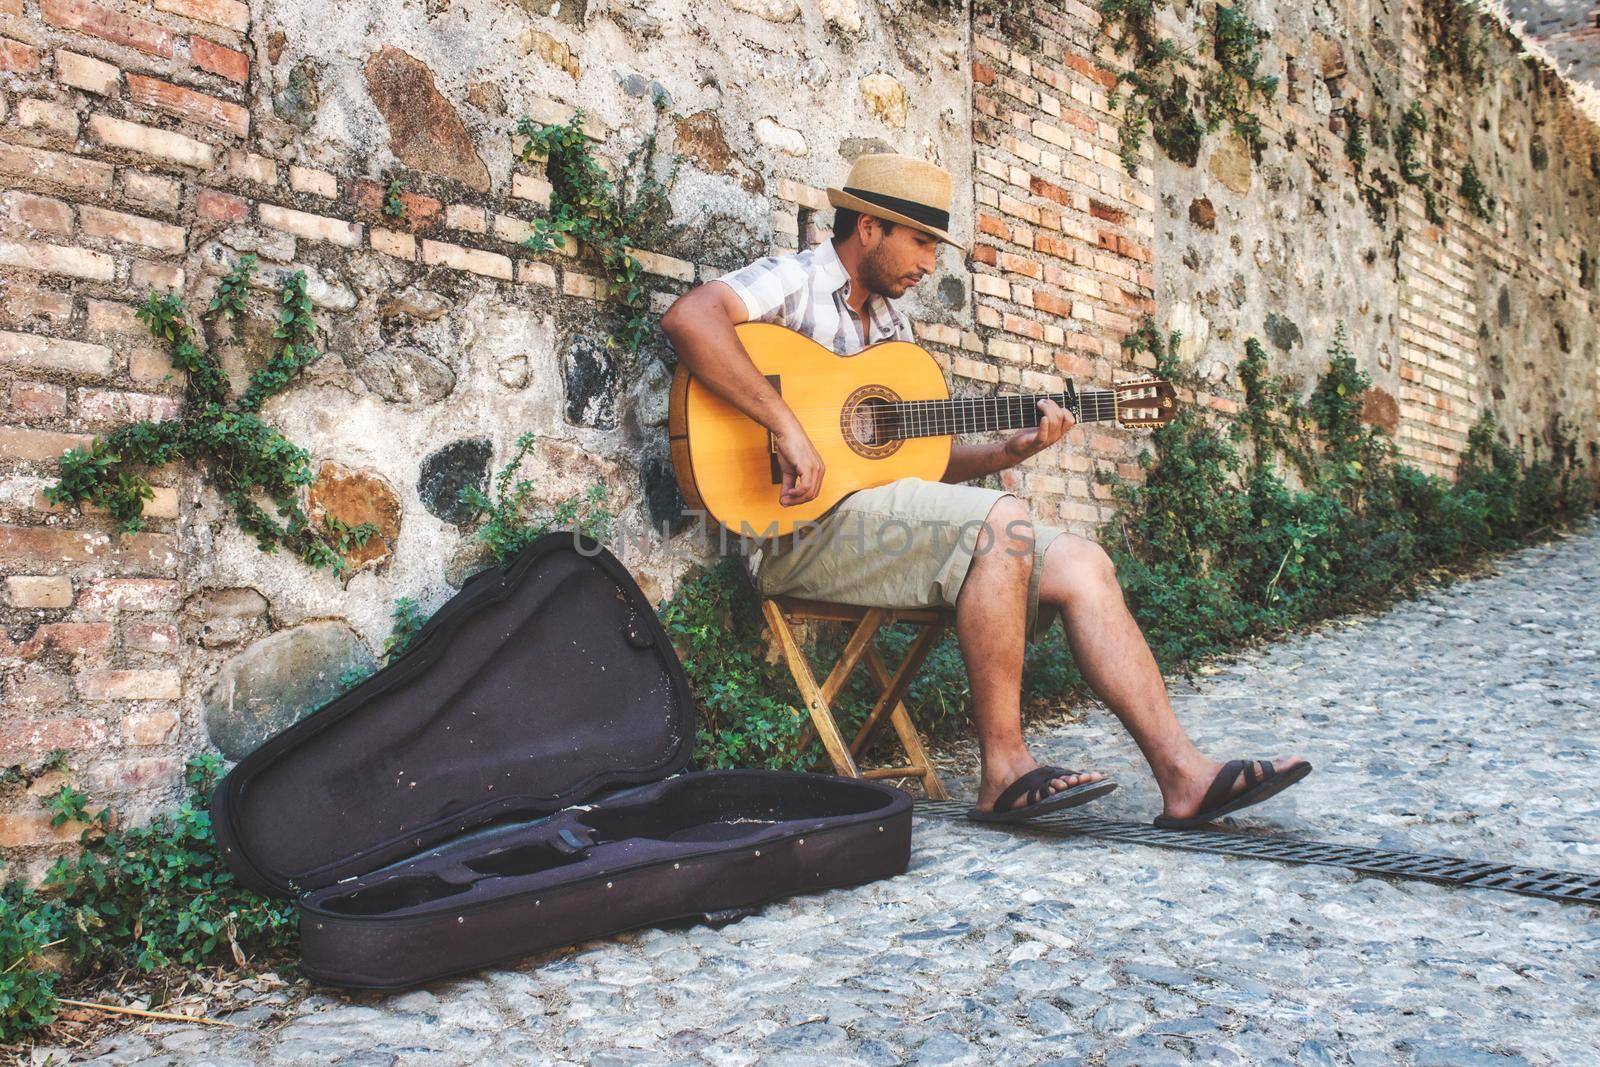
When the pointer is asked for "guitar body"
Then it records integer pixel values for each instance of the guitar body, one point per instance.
(724, 460)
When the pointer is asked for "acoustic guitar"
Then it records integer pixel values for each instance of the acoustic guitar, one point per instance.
(876, 416)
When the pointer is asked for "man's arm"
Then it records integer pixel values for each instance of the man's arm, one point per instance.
(700, 325)
(969, 461)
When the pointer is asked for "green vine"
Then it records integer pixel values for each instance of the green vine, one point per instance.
(1231, 90)
(1216, 546)
(1407, 141)
(1355, 138)
(507, 526)
(1154, 97)
(1474, 193)
(243, 456)
(607, 217)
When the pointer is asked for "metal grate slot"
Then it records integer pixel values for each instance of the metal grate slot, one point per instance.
(1567, 886)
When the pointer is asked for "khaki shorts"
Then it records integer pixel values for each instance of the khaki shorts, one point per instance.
(907, 544)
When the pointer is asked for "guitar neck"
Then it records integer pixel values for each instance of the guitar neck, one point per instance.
(941, 418)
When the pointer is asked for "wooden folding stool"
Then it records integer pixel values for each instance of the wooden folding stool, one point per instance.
(889, 707)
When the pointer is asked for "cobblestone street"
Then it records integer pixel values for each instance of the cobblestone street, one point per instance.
(1465, 722)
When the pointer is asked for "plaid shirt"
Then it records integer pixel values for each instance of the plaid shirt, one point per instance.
(807, 292)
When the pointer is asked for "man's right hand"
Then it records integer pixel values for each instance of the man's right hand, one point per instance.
(801, 466)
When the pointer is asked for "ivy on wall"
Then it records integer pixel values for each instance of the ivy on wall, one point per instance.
(608, 216)
(241, 456)
(1154, 95)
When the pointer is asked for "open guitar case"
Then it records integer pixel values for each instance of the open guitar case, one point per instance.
(515, 782)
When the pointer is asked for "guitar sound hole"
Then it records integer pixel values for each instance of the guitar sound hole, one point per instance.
(869, 422)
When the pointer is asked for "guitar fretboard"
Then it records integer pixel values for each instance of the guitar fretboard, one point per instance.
(940, 418)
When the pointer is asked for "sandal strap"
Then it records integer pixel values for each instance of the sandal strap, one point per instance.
(1222, 784)
(1030, 783)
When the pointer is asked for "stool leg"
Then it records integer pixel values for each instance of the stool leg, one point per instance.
(811, 693)
(900, 716)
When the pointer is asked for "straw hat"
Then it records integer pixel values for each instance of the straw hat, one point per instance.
(899, 188)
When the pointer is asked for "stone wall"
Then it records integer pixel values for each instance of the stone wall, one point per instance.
(147, 145)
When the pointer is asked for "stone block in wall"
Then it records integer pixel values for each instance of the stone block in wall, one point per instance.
(425, 132)
(354, 497)
(279, 680)
(445, 472)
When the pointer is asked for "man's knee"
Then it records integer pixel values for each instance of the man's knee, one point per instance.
(1075, 564)
(1008, 535)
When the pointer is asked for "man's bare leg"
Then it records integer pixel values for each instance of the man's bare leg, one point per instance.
(991, 620)
(1110, 650)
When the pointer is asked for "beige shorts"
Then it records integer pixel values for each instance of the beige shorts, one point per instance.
(907, 544)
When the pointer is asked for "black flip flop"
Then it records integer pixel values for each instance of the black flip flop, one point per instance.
(1036, 784)
(1259, 785)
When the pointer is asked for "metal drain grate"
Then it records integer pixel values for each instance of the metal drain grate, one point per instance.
(1568, 886)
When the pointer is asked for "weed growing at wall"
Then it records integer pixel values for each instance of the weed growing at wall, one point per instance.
(1231, 90)
(507, 525)
(242, 457)
(142, 899)
(1155, 98)
(1355, 138)
(1474, 193)
(1314, 516)
(393, 206)
(1408, 141)
(607, 216)
(1455, 32)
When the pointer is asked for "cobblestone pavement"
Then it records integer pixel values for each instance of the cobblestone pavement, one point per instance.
(1465, 722)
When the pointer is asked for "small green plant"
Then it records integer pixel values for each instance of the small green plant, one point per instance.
(508, 526)
(408, 622)
(1152, 97)
(1473, 192)
(394, 206)
(1456, 44)
(1407, 142)
(1231, 90)
(607, 216)
(243, 456)
(1355, 138)
(1216, 545)
(27, 988)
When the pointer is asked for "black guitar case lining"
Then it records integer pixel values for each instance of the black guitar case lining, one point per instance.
(514, 782)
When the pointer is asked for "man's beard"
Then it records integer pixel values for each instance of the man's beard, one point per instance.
(876, 277)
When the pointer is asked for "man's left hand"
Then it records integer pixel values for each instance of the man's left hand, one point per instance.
(1054, 422)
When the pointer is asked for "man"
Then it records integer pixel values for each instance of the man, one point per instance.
(1009, 579)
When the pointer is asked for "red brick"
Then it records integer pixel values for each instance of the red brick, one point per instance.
(129, 685)
(150, 727)
(220, 59)
(113, 406)
(26, 306)
(71, 638)
(57, 168)
(107, 596)
(160, 638)
(228, 13)
(29, 547)
(221, 207)
(123, 775)
(132, 229)
(985, 254)
(1024, 327)
(187, 103)
(993, 226)
(26, 740)
(1050, 191)
(1052, 246)
(11, 7)
(981, 74)
(20, 444)
(1107, 212)
(1016, 264)
(42, 213)
(1052, 304)
(1106, 240)
(421, 211)
(38, 399)
(33, 828)
(18, 58)
(107, 24)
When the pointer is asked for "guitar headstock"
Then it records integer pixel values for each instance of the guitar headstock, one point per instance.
(1146, 402)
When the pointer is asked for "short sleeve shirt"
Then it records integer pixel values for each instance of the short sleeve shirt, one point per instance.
(808, 292)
